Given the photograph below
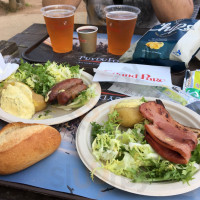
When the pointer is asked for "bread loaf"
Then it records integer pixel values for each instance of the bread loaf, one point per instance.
(22, 145)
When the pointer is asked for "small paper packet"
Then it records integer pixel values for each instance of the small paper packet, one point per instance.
(133, 73)
(192, 83)
(174, 94)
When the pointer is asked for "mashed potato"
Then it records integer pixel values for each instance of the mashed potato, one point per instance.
(17, 100)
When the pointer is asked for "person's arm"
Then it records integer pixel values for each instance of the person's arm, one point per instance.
(69, 2)
(169, 10)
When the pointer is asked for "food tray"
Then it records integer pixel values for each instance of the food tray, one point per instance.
(41, 52)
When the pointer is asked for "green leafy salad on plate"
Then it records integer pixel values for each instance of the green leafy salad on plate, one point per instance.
(27, 91)
(126, 152)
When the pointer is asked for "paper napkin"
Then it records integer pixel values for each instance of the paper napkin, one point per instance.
(6, 69)
(133, 73)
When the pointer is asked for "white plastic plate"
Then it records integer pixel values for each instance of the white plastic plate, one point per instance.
(59, 115)
(180, 113)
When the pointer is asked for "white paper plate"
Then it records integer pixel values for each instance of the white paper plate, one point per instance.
(59, 115)
(83, 142)
(198, 55)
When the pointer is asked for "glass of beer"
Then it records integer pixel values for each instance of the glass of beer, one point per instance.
(120, 21)
(59, 21)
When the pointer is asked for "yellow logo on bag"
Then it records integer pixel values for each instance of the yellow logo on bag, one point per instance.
(154, 45)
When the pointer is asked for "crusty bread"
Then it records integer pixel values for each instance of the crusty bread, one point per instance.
(22, 145)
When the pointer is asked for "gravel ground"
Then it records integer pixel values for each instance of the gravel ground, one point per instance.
(15, 22)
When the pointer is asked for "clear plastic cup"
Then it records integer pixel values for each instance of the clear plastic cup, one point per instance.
(59, 21)
(120, 21)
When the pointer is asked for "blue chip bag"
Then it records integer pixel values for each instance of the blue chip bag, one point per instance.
(168, 44)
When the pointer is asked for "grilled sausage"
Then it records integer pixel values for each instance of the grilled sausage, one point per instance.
(63, 85)
(70, 94)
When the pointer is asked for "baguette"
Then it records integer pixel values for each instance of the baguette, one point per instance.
(22, 145)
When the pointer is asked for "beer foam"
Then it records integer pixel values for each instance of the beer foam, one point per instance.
(121, 15)
(58, 13)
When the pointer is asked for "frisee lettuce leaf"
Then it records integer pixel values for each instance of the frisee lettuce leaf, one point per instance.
(196, 154)
(108, 127)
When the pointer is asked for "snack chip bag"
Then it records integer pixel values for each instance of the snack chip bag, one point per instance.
(169, 44)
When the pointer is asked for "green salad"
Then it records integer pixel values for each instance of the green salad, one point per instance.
(42, 77)
(127, 153)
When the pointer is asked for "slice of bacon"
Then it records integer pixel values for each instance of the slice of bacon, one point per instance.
(166, 153)
(169, 138)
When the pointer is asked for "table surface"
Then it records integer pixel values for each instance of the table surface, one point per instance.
(36, 32)
(12, 191)
(23, 41)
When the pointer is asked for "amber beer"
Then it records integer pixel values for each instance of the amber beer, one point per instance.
(60, 25)
(120, 21)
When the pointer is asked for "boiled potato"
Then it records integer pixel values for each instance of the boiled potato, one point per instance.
(38, 101)
(129, 113)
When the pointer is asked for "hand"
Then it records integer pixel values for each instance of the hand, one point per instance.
(169, 10)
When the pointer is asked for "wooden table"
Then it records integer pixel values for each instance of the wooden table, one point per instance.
(23, 41)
